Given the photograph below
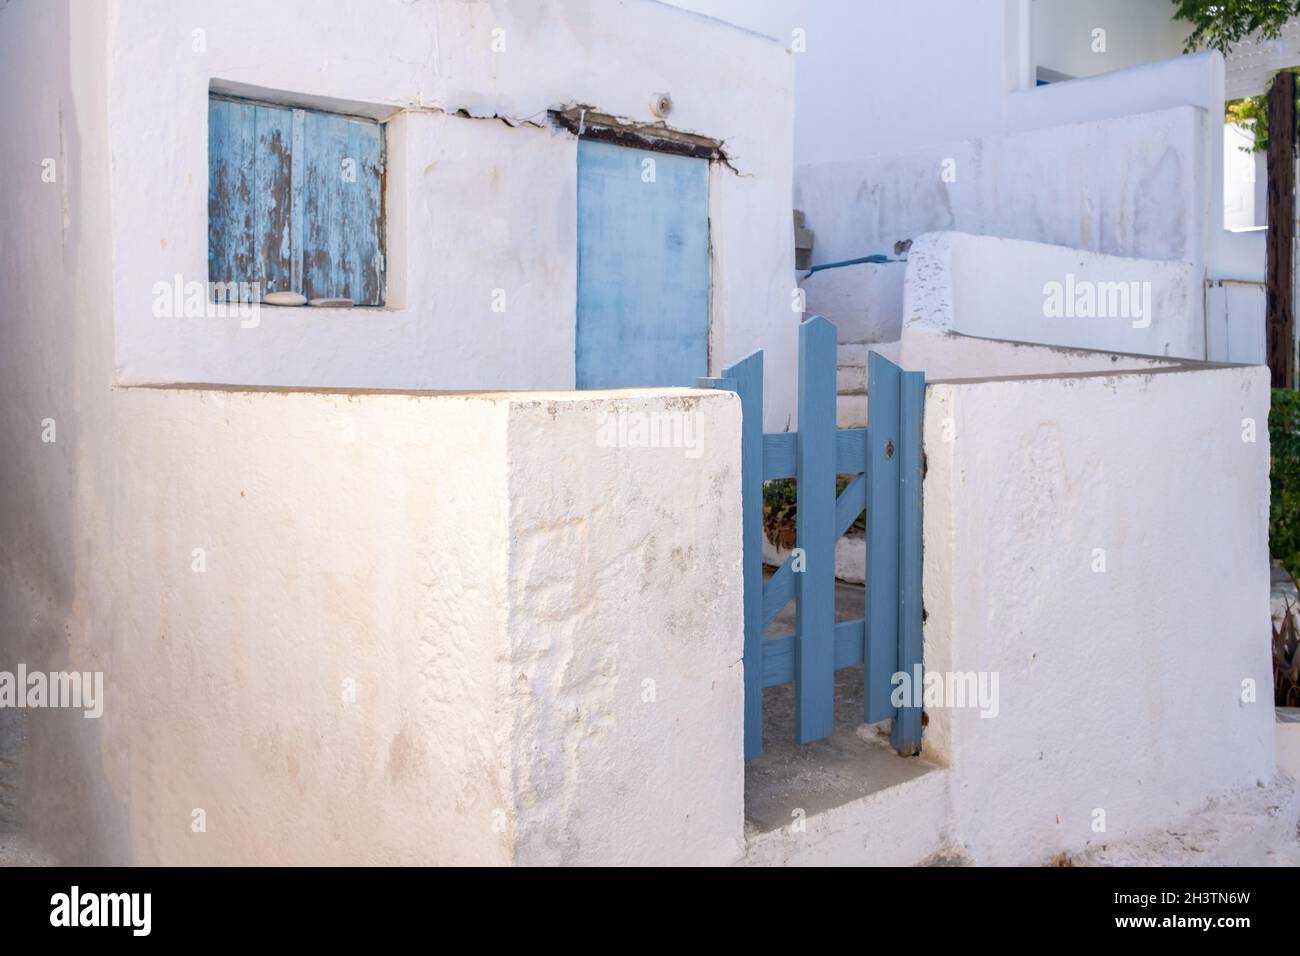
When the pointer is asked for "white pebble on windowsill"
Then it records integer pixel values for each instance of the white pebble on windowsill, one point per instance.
(284, 298)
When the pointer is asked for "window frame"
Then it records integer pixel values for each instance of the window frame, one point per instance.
(312, 246)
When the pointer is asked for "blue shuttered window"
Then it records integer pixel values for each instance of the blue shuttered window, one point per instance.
(295, 200)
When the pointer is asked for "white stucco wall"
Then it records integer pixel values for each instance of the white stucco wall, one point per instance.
(70, 508)
(1136, 32)
(965, 288)
(474, 203)
(1245, 180)
(1119, 690)
(958, 64)
(339, 559)
(865, 301)
(949, 61)
(1194, 80)
(56, 362)
(626, 633)
(1132, 186)
(428, 629)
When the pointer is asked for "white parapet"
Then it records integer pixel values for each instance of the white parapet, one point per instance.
(425, 628)
(977, 306)
(1100, 544)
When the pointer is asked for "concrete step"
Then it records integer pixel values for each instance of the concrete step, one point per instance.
(854, 354)
(850, 380)
(851, 411)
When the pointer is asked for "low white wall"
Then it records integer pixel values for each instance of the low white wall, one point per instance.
(1119, 690)
(626, 632)
(425, 629)
(978, 306)
(481, 189)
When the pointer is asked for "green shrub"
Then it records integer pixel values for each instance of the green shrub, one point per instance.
(1284, 479)
(781, 505)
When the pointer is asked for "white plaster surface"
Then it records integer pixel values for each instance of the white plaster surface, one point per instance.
(1121, 690)
(967, 67)
(56, 362)
(1253, 826)
(865, 301)
(423, 630)
(364, 537)
(947, 58)
(475, 203)
(314, 571)
(1127, 163)
(626, 635)
(1136, 32)
(1000, 289)
(900, 825)
(1131, 186)
(960, 290)
(1123, 101)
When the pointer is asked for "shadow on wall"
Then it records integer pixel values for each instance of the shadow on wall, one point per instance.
(57, 347)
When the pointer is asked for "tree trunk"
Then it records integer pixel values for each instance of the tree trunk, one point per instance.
(1280, 327)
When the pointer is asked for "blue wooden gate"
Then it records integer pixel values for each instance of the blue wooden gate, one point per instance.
(643, 267)
(885, 460)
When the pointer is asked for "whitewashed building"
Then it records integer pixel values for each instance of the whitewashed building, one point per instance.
(1079, 124)
(471, 225)
(368, 582)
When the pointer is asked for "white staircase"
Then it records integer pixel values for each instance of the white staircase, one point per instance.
(851, 380)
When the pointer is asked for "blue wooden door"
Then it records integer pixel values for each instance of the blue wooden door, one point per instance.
(643, 267)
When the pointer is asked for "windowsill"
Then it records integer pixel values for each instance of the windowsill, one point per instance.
(325, 310)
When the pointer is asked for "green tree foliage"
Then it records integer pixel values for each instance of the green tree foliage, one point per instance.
(1250, 112)
(1219, 24)
(1284, 479)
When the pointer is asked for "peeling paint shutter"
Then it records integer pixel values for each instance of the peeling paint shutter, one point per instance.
(295, 201)
(249, 187)
(342, 251)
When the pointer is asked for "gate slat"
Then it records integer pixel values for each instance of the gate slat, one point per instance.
(815, 528)
(905, 734)
(779, 456)
(850, 504)
(882, 603)
(748, 377)
(779, 591)
(778, 652)
(779, 453)
(887, 458)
